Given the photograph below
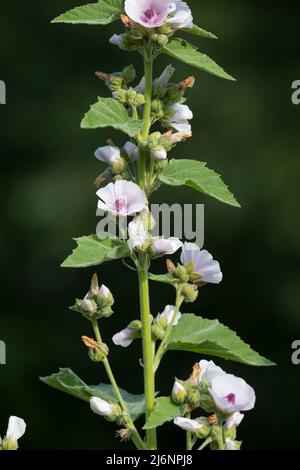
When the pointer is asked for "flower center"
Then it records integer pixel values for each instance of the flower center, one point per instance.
(150, 14)
(231, 398)
(120, 205)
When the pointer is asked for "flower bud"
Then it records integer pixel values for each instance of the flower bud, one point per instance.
(132, 151)
(157, 108)
(106, 298)
(125, 337)
(117, 39)
(181, 274)
(231, 444)
(103, 408)
(129, 73)
(159, 153)
(158, 331)
(147, 219)
(193, 396)
(178, 393)
(108, 154)
(118, 167)
(161, 39)
(189, 292)
(120, 95)
(161, 83)
(115, 82)
(89, 306)
(97, 351)
(174, 93)
(136, 325)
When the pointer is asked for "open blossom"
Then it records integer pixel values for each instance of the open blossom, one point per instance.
(208, 371)
(189, 425)
(124, 338)
(122, 198)
(231, 394)
(132, 151)
(204, 264)
(137, 234)
(102, 407)
(166, 246)
(234, 420)
(16, 429)
(149, 13)
(108, 154)
(180, 117)
(182, 16)
(168, 314)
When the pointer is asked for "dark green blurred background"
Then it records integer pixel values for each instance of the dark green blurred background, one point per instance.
(248, 131)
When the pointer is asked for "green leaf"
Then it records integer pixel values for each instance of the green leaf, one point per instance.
(187, 53)
(67, 381)
(165, 410)
(163, 278)
(103, 12)
(210, 337)
(91, 251)
(108, 112)
(196, 175)
(197, 31)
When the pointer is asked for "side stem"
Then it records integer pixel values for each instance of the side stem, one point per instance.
(135, 437)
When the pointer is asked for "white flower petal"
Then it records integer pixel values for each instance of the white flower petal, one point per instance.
(124, 338)
(168, 314)
(16, 428)
(189, 425)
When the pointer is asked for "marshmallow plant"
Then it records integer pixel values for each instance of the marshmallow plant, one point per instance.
(210, 404)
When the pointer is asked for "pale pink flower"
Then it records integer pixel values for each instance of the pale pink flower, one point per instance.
(102, 407)
(108, 154)
(231, 394)
(122, 198)
(132, 151)
(168, 314)
(204, 264)
(16, 428)
(180, 117)
(137, 234)
(124, 338)
(189, 425)
(104, 292)
(166, 246)
(182, 16)
(149, 13)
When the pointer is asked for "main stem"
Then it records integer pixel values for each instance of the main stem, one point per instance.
(148, 68)
(149, 382)
(136, 439)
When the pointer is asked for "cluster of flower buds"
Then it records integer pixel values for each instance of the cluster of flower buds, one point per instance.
(97, 303)
(15, 430)
(157, 20)
(214, 391)
(118, 80)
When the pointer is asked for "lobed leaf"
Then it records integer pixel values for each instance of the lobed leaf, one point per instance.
(91, 251)
(196, 175)
(101, 13)
(210, 337)
(163, 278)
(67, 381)
(187, 53)
(108, 112)
(165, 410)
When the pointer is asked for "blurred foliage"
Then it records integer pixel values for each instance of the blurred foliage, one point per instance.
(248, 131)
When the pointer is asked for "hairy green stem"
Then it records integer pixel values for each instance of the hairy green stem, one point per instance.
(161, 349)
(142, 165)
(135, 437)
(149, 382)
(189, 444)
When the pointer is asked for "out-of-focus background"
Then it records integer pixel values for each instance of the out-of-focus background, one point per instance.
(248, 131)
